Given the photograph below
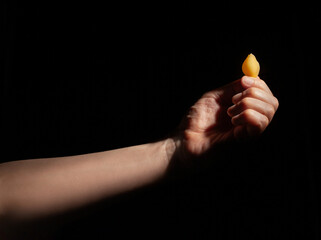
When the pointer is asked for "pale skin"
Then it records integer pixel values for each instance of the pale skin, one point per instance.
(38, 188)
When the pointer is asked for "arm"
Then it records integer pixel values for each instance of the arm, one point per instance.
(40, 187)
(35, 188)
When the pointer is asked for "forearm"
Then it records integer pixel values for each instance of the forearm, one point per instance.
(40, 187)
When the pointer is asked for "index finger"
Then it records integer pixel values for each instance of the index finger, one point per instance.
(248, 82)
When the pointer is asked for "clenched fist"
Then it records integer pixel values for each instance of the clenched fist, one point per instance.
(240, 109)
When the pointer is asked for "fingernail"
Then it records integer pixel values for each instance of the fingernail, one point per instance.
(229, 111)
(248, 81)
(236, 98)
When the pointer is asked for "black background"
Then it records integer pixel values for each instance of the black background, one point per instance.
(80, 78)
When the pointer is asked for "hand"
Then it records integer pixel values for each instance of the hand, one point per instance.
(243, 108)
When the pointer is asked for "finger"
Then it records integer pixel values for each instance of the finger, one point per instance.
(254, 121)
(240, 132)
(256, 93)
(226, 92)
(248, 82)
(251, 103)
(262, 84)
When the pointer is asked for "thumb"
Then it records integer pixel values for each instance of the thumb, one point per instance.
(247, 82)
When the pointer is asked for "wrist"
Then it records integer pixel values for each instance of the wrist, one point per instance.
(177, 156)
(171, 147)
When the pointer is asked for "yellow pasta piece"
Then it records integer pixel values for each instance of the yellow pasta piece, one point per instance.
(251, 66)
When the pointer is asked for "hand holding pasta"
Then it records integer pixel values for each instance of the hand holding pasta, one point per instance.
(240, 109)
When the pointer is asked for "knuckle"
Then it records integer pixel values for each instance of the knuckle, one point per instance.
(251, 92)
(258, 121)
(265, 121)
(246, 101)
(276, 103)
(261, 123)
(270, 111)
(248, 114)
(243, 104)
(261, 81)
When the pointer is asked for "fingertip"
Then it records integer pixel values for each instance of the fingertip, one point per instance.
(237, 97)
(229, 111)
(247, 81)
(235, 120)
